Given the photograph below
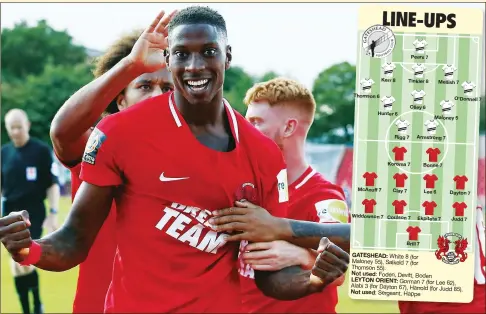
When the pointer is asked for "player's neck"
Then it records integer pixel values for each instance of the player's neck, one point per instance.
(201, 114)
(295, 159)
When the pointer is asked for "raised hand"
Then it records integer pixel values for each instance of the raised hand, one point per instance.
(147, 54)
(15, 235)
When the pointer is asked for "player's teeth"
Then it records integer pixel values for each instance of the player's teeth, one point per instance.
(197, 83)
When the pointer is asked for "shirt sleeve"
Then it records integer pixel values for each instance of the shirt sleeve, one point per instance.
(275, 197)
(329, 206)
(99, 165)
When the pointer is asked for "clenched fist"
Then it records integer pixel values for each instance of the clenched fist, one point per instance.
(15, 234)
(331, 263)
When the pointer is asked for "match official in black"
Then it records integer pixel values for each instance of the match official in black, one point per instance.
(29, 175)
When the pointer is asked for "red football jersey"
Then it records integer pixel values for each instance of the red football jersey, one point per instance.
(399, 206)
(460, 182)
(369, 205)
(400, 179)
(459, 207)
(370, 178)
(429, 207)
(399, 153)
(98, 266)
(413, 233)
(478, 303)
(168, 258)
(433, 154)
(430, 181)
(312, 198)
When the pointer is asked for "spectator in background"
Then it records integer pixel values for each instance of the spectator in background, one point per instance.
(29, 175)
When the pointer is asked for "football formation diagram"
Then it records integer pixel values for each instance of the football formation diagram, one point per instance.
(416, 142)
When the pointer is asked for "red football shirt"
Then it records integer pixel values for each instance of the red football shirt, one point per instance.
(433, 154)
(168, 258)
(312, 198)
(370, 178)
(98, 266)
(400, 179)
(399, 153)
(369, 205)
(460, 182)
(429, 207)
(430, 181)
(478, 303)
(459, 207)
(399, 206)
(413, 233)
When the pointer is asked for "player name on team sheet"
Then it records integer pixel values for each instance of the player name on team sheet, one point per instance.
(415, 154)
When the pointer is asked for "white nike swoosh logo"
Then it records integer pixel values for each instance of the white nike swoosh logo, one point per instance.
(166, 179)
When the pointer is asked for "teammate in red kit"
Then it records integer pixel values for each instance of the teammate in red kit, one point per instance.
(429, 207)
(433, 154)
(165, 200)
(400, 179)
(283, 110)
(478, 303)
(399, 153)
(69, 133)
(430, 181)
(460, 182)
(370, 178)
(413, 233)
(459, 207)
(399, 206)
(369, 205)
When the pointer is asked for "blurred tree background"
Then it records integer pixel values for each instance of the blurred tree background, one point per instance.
(42, 67)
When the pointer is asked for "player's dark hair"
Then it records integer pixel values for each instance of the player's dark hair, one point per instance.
(198, 15)
(115, 53)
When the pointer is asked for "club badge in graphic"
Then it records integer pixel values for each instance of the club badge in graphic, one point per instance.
(378, 41)
(450, 255)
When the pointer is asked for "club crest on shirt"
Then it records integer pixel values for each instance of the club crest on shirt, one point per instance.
(332, 210)
(246, 192)
(94, 143)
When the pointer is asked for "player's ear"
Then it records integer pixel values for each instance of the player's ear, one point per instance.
(166, 57)
(121, 103)
(229, 57)
(290, 127)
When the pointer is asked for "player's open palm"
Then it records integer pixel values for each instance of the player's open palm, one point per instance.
(148, 52)
(15, 234)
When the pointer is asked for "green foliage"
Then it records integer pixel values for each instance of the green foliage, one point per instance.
(42, 95)
(26, 50)
(41, 69)
(236, 83)
(267, 77)
(333, 91)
